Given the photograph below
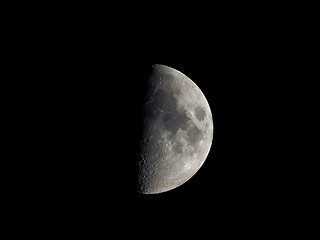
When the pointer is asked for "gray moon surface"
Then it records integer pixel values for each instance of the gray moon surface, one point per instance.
(177, 131)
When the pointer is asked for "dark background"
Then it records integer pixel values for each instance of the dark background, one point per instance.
(97, 99)
(87, 73)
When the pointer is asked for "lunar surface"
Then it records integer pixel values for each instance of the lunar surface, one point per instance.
(177, 131)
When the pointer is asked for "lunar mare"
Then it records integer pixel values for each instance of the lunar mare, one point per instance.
(177, 133)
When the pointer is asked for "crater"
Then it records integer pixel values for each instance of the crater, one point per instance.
(200, 113)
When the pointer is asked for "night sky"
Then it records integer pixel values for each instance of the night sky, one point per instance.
(93, 85)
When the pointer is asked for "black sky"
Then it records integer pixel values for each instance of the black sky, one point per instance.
(91, 97)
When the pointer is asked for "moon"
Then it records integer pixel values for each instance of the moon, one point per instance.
(177, 131)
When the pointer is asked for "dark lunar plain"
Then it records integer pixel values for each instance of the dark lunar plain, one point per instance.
(89, 95)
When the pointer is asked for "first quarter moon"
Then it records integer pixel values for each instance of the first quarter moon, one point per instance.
(177, 131)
